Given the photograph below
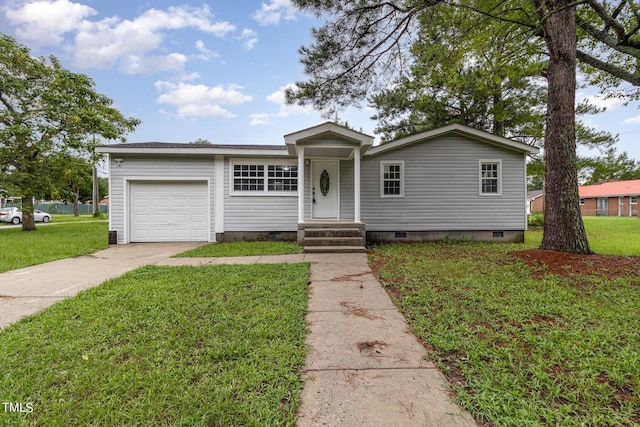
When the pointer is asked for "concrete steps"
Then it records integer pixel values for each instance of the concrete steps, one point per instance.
(332, 237)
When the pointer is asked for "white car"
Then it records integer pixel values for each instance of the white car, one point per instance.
(14, 215)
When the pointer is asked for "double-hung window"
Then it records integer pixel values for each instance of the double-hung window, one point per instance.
(392, 179)
(490, 177)
(266, 178)
(633, 200)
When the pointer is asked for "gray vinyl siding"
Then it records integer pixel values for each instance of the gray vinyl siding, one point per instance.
(441, 193)
(347, 192)
(258, 213)
(161, 168)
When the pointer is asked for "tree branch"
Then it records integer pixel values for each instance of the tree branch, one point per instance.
(607, 67)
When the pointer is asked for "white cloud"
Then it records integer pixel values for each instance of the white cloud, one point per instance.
(205, 54)
(632, 120)
(273, 12)
(259, 119)
(46, 21)
(136, 45)
(249, 37)
(610, 103)
(286, 110)
(198, 100)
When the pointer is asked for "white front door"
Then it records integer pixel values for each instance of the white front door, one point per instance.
(325, 189)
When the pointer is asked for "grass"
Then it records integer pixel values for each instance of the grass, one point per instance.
(227, 249)
(607, 235)
(79, 218)
(521, 350)
(192, 346)
(50, 243)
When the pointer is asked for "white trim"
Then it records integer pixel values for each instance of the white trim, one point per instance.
(489, 161)
(301, 185)
(265, 163)
(527, 203)
(110, 187)
(128, 180)
(631, 202)
(191, 151)
(384, 163)
(356, 185)
(218, 204)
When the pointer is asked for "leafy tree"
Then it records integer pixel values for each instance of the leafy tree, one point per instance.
(201, 141)
(361, 45)
(79, 179)
(611, 166)
(48, 116)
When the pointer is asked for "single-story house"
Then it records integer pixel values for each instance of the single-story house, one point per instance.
(535, 201)
(617, 198)
(326, 185)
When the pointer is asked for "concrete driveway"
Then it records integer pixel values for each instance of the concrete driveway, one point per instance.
(28, 290)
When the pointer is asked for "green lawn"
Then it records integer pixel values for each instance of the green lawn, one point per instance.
(519, 350)
(79, 218)
(192, 346)
(607, 235)
(226, 249)
(50, 243)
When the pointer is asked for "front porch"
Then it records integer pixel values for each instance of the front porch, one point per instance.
(328, 166)
(318, 236)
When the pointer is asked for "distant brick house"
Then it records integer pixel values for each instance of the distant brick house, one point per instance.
(618, 198)
(535, 201)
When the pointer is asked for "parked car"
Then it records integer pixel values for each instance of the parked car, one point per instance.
(10, 215)
(14, 215)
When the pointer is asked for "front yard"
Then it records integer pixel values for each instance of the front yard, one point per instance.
(192, 346)
(50, 243)
(521, 343)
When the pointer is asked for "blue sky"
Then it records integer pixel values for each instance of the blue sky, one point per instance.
(214, 70)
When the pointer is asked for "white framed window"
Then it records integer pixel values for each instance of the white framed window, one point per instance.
(490, 177)
(621, 200)
(633, 200)
(263, 177)
(582, 202)
(392, 179)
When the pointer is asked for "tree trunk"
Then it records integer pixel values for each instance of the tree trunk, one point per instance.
(76, 201)
(28, 222)
(563, 227)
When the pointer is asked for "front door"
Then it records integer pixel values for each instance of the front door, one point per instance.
(325, 189)
(602, 206)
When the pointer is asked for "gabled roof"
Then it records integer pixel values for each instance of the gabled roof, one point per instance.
(458, 130)
(328, 139)
(611, 189)
(534, 194)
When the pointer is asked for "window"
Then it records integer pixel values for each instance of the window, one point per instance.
(283, 178)
(581, 202)
(621, 200)
(490, 177)
(254, 177)
(392, 179)
(633, 200)
(248, 177)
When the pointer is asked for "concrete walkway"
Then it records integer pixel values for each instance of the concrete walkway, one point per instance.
(363, 368)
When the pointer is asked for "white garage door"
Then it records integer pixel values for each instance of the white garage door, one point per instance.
(164, 211)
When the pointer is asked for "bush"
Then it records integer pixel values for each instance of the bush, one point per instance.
(536, 219)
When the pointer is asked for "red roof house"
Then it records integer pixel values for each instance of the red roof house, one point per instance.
(619, 198)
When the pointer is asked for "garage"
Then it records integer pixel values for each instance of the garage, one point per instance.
(168, 211)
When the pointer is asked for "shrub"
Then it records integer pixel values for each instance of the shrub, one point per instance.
(536, 219)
